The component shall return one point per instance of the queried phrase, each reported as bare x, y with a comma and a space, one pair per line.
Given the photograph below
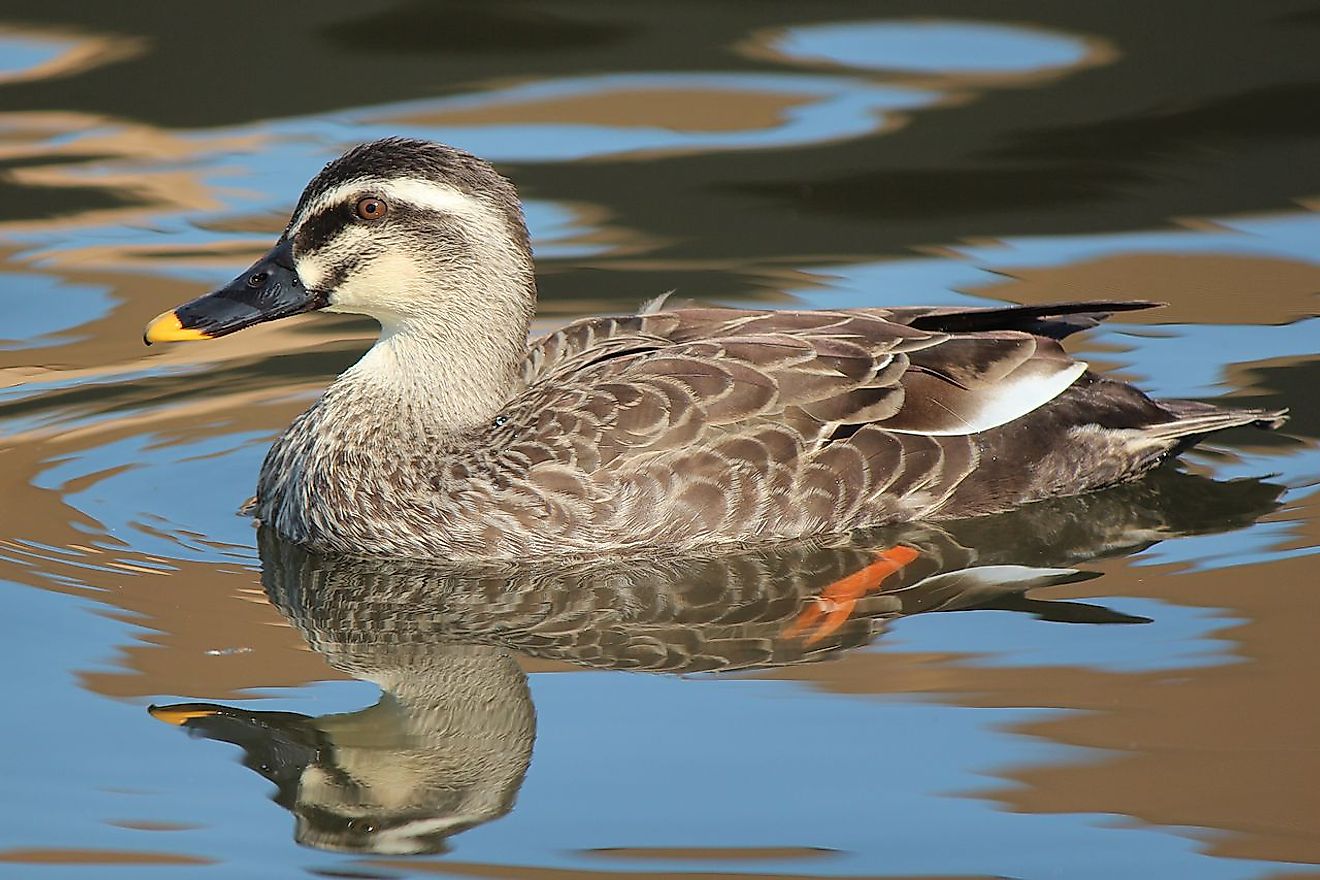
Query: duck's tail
1194, 419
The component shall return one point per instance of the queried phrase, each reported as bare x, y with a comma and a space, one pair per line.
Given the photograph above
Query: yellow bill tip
166, 327
179, 715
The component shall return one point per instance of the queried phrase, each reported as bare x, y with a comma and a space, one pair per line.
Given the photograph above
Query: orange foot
832, 607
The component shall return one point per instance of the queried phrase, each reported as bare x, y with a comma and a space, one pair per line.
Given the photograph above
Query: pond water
1117, 685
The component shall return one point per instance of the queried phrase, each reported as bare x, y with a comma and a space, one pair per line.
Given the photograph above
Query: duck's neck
442, 691
448, 374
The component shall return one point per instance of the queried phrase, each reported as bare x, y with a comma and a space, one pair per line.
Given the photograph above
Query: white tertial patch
1017, 394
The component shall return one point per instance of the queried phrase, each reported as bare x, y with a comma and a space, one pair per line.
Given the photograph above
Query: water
1113, 686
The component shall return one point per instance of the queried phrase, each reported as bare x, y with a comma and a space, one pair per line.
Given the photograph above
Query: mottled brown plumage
699, 427
687, 428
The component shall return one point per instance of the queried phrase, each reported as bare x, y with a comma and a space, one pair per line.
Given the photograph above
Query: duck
455, 438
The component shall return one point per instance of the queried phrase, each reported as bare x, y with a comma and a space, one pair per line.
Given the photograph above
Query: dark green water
1144, 708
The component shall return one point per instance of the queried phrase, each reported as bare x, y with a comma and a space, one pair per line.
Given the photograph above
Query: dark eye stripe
435, 229
318, 229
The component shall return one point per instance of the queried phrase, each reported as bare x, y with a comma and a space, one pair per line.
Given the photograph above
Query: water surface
1116, 685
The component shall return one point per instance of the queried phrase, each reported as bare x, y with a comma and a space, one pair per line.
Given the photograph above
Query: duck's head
409, 232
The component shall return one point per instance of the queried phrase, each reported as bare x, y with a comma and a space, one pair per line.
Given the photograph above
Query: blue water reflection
932, 46
154, 506
1179, 361
1177, 637
22, 53
153, 778
877, 781
39, 310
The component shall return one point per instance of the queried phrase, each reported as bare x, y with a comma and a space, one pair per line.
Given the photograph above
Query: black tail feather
1054, 320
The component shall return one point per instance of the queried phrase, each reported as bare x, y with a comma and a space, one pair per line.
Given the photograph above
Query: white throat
448, 381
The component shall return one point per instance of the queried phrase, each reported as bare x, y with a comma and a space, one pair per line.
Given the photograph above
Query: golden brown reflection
145, 825
448, 744
128, 156
35, 856
704, 853
704, 109
1201, 288
76, 53
507, 872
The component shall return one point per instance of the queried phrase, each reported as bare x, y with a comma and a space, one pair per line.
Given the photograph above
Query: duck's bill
267, 291
180, 714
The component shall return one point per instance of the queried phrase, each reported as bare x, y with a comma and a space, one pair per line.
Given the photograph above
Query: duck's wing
819, 370
809, 420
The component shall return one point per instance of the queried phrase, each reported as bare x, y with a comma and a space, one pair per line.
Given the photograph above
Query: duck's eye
371, 208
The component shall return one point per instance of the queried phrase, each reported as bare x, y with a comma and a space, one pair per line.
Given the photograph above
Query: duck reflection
449, 742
